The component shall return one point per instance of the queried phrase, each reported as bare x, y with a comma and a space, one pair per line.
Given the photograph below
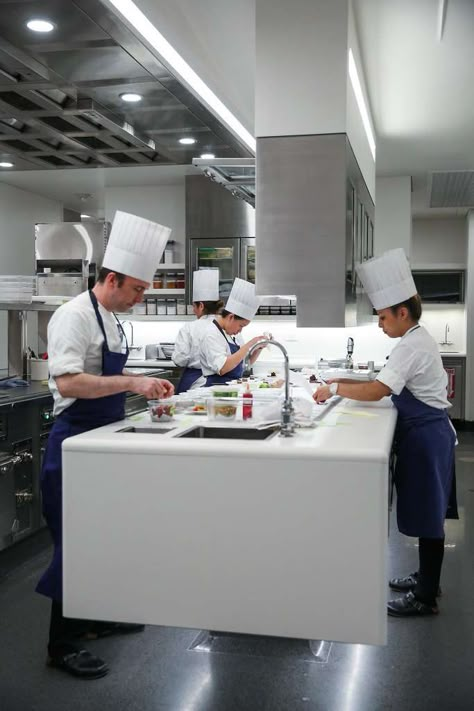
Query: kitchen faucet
287, 410
131, 347
446, 342
350, 350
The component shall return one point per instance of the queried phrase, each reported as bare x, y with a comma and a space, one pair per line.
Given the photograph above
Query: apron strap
224, 334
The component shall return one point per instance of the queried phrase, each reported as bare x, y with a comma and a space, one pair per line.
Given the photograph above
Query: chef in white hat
88, 381
416, 380
222, 350
206, 304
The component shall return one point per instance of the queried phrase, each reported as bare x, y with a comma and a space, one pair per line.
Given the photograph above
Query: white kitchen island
284, 537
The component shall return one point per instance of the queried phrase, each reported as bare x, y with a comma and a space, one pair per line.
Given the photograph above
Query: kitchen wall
160, 203
307, 345
439, 243
19, 211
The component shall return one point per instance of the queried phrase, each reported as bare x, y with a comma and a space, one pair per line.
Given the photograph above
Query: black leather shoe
107, 629
80, 663
406, 584
409, 606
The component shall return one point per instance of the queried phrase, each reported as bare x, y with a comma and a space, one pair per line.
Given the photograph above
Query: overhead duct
454, 188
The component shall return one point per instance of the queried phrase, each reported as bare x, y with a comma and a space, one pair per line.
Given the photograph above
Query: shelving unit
188, 317
171, 267
165, 292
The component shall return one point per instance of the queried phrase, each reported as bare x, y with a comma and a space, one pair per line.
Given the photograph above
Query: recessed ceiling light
6, 164
207, 156
134, 16
37, 25
187, 141
131, 98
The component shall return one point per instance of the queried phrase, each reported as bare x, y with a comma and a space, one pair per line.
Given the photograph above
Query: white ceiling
420, 87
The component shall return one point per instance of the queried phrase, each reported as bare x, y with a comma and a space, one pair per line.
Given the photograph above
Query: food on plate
277, 383
200, 407
273, 374
312, 378
264, 384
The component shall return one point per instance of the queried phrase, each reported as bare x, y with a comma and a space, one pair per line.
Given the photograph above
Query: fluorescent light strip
356, 85
140, 22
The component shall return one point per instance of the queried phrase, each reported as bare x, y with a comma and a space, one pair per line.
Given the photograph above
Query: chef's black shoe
406, 584
80, 663
409, 606
107, 629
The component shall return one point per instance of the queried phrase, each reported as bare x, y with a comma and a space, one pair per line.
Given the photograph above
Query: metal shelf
165, 292
170, 267
189, 317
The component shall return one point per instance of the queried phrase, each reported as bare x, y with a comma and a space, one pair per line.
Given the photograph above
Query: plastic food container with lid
162, 410
224, 391
223, 408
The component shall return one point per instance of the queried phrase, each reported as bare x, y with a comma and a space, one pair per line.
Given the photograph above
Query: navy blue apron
233, 374
425, 465
188, 378
81, 416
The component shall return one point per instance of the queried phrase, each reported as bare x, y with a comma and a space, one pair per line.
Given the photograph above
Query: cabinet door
217, 254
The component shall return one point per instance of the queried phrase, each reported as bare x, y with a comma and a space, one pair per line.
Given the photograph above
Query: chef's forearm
233, 360
370, 391
88, 387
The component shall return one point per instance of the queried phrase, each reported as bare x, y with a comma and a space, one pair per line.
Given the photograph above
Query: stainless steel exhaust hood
237, 175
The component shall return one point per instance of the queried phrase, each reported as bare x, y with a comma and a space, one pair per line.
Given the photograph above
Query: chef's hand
153, 388
322, 394
255, 340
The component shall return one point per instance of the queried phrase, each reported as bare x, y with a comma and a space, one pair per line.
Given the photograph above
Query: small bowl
162, 410
225, 391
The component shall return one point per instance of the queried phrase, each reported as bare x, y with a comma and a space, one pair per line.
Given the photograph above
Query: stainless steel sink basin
203, 432
147, 430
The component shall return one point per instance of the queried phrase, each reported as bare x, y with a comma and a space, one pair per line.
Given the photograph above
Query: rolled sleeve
392, 380
68, 340
213, 352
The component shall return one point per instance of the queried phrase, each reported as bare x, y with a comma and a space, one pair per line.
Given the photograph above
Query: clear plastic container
224, 391
162, 410
223, 409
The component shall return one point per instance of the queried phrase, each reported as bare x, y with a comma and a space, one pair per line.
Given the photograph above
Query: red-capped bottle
248, 404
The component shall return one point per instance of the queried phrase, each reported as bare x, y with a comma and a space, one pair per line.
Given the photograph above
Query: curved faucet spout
287, 410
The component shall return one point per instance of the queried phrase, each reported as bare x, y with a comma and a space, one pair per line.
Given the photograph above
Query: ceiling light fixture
37, 25
187, 141
135, 17
131, 98
207, 156
6, 164
359, 95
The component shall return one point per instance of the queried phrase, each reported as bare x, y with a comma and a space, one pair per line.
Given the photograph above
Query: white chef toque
387, 279
242, 300
206, 285
135, 246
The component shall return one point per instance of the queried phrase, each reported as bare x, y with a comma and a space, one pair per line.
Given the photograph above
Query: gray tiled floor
428, 663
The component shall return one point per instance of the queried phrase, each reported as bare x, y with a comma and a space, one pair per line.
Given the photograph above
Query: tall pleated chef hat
242, 299
135, 246
206, 285
387, 279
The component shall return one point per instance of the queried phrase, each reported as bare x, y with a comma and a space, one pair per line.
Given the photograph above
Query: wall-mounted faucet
446, 342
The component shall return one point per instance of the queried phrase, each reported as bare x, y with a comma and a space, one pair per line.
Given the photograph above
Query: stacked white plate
14, 289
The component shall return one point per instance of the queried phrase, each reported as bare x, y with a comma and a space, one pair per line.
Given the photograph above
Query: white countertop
150, 363
350, 429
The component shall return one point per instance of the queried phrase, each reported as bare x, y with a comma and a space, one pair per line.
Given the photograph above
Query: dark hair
211, 307
225, 313
413, 304
104, 272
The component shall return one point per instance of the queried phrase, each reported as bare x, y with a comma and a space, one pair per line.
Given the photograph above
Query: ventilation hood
454, 188
237, 175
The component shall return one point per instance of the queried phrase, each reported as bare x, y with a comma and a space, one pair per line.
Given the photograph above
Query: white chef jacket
415, 363
214, 349
186, 347
75, 343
